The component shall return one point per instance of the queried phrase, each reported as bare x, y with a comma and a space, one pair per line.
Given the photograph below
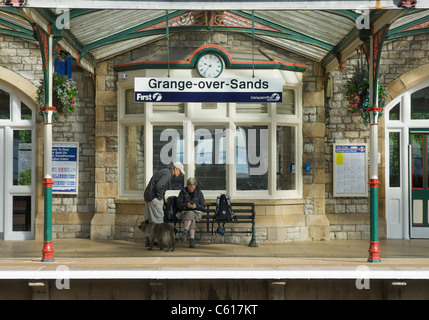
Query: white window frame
402, 126
9, 125
230, 119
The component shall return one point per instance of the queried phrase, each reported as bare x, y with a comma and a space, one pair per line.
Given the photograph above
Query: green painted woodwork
419, 140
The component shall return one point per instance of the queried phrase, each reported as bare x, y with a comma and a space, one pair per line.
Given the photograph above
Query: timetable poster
65, 164
350, 170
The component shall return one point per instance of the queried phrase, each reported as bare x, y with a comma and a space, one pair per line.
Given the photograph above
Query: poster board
350, 170
65, 167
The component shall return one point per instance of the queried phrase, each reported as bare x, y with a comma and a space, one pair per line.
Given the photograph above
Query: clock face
210, 65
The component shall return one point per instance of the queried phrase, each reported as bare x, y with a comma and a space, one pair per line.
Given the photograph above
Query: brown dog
160, 233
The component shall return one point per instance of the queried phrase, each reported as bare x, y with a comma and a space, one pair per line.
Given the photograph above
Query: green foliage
25, 177
64, 92
357, 94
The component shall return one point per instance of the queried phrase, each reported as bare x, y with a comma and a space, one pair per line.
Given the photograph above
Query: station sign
251, 90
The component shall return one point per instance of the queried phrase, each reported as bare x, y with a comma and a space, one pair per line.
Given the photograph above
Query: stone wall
349, 217
106, 152
313, 109
277, 220
22, 57
71, 213
97, 212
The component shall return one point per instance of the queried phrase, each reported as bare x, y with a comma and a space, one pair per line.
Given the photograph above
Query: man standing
155, 192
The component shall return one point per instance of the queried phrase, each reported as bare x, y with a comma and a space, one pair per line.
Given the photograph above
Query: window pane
22, 157
287, 106
21, 213
134, 158
168, 148
285, 162
420, 104
394, 113
210, 157
252, 157
168, 108
4, 105
209, 106
26, 113
132, 107
251, 108
417, 150
394, 159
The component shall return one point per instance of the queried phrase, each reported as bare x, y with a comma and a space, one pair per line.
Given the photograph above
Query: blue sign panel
65, 164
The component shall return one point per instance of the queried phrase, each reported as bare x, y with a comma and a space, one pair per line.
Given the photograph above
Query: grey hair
191, 182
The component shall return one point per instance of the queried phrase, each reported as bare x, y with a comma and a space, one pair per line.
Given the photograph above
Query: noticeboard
350, 170
65, 167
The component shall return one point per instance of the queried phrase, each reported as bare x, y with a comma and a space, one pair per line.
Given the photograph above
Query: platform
115, 259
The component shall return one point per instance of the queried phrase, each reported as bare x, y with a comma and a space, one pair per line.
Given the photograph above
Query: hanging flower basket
65, 97
357, 94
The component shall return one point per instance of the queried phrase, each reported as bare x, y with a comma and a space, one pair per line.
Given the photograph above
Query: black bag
170, 209
223, 210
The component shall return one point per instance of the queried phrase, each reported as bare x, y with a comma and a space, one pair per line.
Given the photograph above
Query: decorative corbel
407, 3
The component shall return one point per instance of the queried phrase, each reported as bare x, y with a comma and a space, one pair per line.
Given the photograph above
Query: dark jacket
185, 197
158, 185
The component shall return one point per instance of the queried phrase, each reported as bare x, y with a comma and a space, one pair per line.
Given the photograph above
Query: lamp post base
48, 252
374, 252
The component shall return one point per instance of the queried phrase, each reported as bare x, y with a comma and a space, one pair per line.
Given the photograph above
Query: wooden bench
243, 213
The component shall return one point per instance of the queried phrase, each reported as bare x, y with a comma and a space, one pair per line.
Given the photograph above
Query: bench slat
241, 214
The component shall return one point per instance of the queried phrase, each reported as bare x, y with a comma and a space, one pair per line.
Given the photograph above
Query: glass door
2, 207
19, 202
419, 181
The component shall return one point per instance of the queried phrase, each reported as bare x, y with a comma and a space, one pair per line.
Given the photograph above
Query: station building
288, 145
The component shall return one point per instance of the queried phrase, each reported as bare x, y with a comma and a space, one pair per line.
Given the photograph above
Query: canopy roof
92, 34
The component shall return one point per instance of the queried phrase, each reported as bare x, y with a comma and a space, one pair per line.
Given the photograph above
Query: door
2, 207
419, 181
18, 184
17, 166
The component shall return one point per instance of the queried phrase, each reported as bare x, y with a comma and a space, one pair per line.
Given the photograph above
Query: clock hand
208, 68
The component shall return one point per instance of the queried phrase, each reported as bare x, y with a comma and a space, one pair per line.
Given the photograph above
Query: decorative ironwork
5, 27
231, 19
209, 19
13, 3
187, 19
421, 25
407, 3
378, 40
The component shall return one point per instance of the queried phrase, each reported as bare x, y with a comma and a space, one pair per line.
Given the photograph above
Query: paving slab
117, 259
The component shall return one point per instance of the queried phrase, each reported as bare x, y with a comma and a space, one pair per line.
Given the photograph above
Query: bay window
246, 150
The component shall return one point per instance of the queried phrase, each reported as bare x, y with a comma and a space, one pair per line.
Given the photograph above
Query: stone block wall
349, 217
72, 213
97, 212
313, 131
404, 63
21, 57
106, 152
277, 220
